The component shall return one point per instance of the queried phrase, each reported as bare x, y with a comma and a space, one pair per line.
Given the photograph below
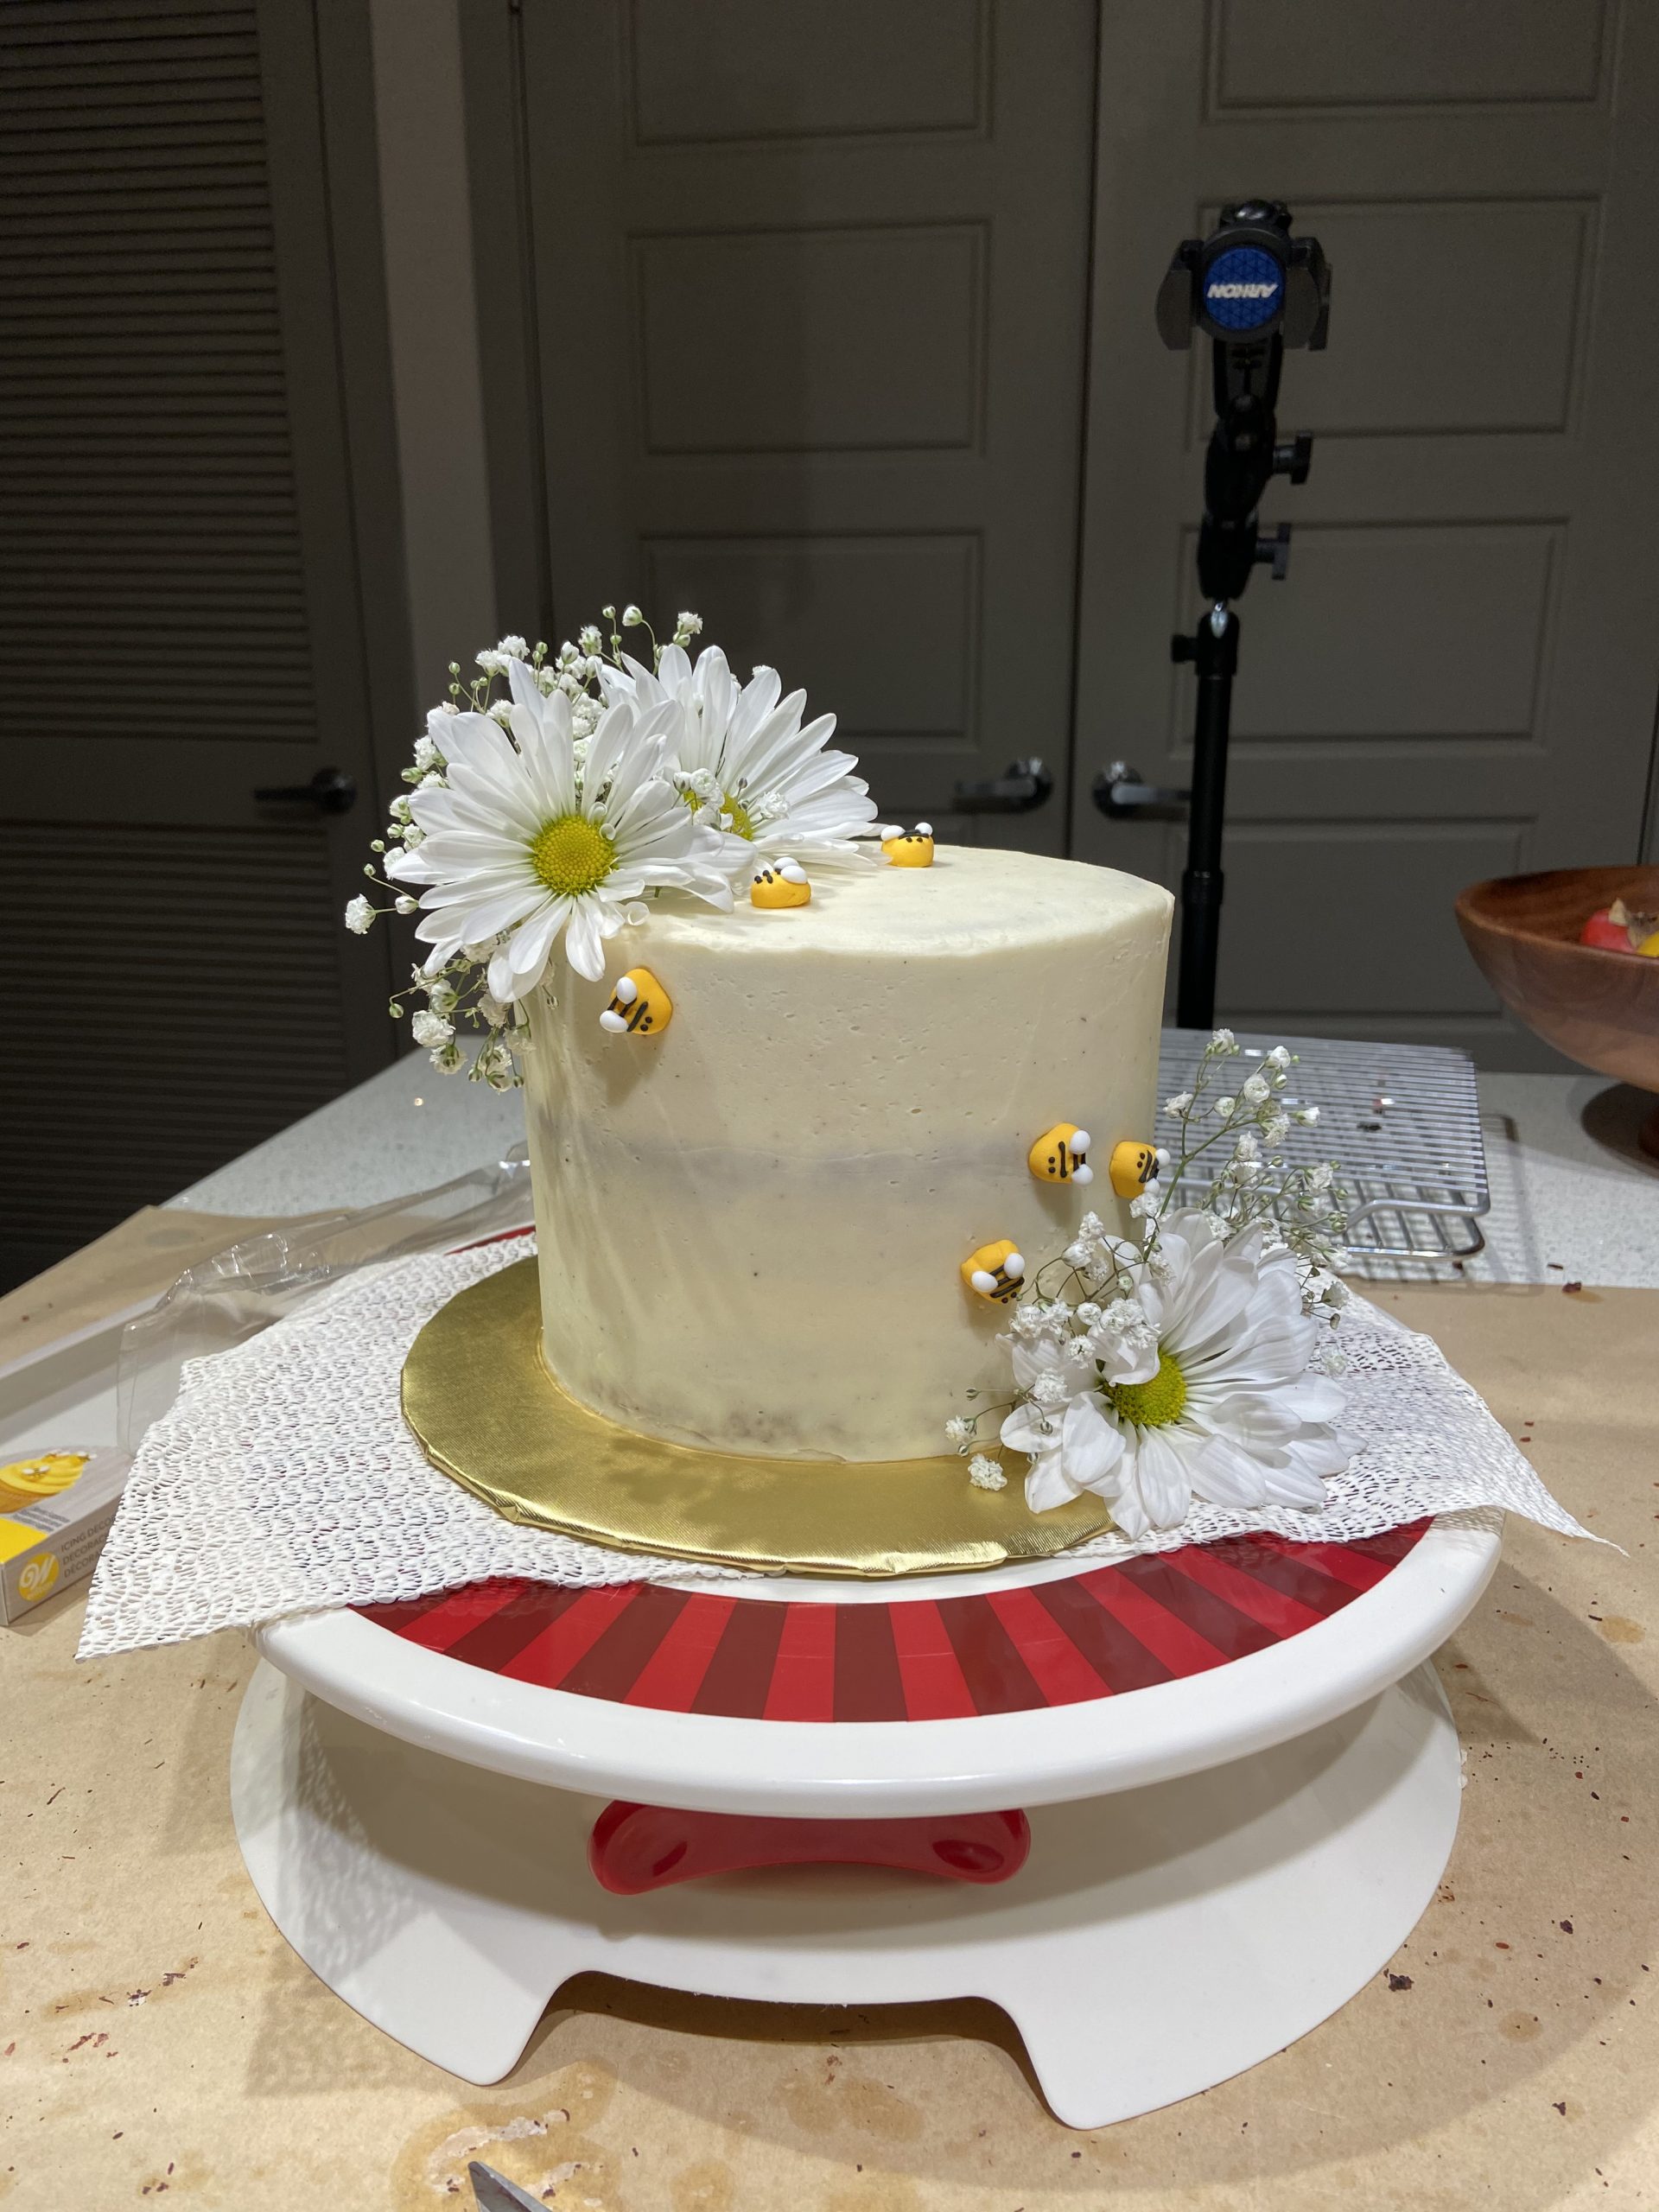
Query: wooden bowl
1600, 1008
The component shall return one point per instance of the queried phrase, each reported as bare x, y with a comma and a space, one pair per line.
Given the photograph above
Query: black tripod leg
1215, 657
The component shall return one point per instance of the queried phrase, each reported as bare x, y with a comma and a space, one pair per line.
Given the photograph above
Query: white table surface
1573, 1198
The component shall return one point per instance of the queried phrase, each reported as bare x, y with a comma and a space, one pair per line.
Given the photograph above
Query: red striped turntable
1099, 1633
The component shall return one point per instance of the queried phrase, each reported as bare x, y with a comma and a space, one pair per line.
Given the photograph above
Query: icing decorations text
639, 1006
996, 1271
1060, 1155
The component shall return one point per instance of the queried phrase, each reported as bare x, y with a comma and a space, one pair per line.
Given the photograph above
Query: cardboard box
55, 1511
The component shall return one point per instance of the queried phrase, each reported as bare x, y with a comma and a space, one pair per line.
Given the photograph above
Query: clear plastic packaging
239, 1292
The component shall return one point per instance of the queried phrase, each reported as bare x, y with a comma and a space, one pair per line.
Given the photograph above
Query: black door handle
331, 791
1122, 795
1025, 786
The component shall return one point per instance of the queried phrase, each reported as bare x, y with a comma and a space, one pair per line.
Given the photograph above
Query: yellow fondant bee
639, 1006
1134, 1165
1060, 1155
913, 849
780, 883
996, 1271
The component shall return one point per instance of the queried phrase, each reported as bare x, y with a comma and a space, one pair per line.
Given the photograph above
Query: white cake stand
1219, 1857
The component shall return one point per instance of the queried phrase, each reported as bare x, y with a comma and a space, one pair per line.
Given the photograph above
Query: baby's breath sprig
1305, 1208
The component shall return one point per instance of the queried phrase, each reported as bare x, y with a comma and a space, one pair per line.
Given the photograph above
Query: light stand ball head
1252, 290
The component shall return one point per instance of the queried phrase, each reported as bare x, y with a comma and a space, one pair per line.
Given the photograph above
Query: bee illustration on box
639, 1006
24, 1483
1061, 1155
996, 1271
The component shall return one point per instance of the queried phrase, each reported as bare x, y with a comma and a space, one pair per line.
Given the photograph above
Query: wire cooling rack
1402, 1122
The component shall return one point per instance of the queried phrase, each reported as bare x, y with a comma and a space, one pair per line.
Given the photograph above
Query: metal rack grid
1402, 1122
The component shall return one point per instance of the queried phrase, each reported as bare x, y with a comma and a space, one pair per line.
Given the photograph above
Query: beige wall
436, 324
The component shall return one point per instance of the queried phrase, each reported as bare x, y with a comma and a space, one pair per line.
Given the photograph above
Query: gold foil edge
485, 1409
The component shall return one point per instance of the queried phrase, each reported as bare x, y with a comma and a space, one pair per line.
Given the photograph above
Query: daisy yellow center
1154, 1403
739, 820
571, 855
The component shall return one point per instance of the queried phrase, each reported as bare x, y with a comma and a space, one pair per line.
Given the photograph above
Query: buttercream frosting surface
752, 1225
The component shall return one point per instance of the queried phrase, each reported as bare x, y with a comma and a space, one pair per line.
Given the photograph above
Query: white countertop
1573, 1197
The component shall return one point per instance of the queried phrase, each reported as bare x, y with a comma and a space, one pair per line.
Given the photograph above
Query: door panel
1459, 676
828, 387
920, 392
857, 70
1289, 56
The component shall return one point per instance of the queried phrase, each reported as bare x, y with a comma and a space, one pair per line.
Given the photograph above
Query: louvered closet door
178, 614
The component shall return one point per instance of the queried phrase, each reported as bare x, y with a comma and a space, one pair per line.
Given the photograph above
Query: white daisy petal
522, 684
1025, 1430
1093, 1446
1161, 1477
676, 667
490, 917
1224, 1474
476, 741
584, 942
527, 952
755, 701
1047, 1485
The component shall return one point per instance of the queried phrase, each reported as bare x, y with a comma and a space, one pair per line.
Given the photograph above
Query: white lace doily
284, 1479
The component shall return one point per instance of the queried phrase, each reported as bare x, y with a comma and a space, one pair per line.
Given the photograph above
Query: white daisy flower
1220, 1405
526, 845
781, 790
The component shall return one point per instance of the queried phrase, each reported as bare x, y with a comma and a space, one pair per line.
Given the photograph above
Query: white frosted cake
753, 1221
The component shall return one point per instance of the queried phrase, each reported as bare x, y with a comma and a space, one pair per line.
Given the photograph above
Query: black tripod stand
1253, 289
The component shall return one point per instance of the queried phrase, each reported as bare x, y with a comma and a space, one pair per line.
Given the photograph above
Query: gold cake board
484, 1407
